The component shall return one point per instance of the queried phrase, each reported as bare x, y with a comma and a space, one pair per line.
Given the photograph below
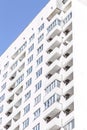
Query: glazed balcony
53, 86
52, 106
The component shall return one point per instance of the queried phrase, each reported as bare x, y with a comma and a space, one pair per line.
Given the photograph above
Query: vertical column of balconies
53, 92
58, 100
67, 70
12, 112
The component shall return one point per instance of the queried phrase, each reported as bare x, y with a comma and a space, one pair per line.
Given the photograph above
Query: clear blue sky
15, 15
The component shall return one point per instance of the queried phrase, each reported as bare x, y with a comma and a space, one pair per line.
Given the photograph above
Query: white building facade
36, 73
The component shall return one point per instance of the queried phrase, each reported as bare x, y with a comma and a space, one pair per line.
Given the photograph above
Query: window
38, 85
37, 99
40, 60
19, 80
27, 95
5, 75
31, 37
70, 125
26, 109
51, 100
25, 123
1, 109
29, 70
30, 48
30, 59
40, 49
29, 82
2, 97
37, 113
3, 86
39, 72
41, 27
40, 38
37, 127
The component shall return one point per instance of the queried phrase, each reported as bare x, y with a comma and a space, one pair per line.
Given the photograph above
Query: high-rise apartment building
36, 73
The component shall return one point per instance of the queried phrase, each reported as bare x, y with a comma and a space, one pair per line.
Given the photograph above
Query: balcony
53, 44
69, 86
56, 11
68, 52
21, 49
8, 125
11, 88
22, 56
14, 65
21, 67
54, 67
64, 1
68, 93
17, 117
66, 47
68, 39
53, 57
68, 102
18, 103
69, 125
66, 5
13, 76
53, 85
65, 37
9, 112
69, 113
52, 79
67, 20
52, 71
17, 128
55, 90
68, 58
54, 124
68, 72
67, 30
68, 79
56, 31
68, 65
19, 91
10, 100
52, 110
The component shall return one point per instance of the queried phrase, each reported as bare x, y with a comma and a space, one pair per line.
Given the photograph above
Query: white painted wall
80, 64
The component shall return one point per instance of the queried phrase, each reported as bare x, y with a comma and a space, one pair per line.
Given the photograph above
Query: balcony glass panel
54, 84
67, 18
51, 100
70, 125
53, 24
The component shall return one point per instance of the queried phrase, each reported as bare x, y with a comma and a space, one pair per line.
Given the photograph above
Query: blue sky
15, 15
